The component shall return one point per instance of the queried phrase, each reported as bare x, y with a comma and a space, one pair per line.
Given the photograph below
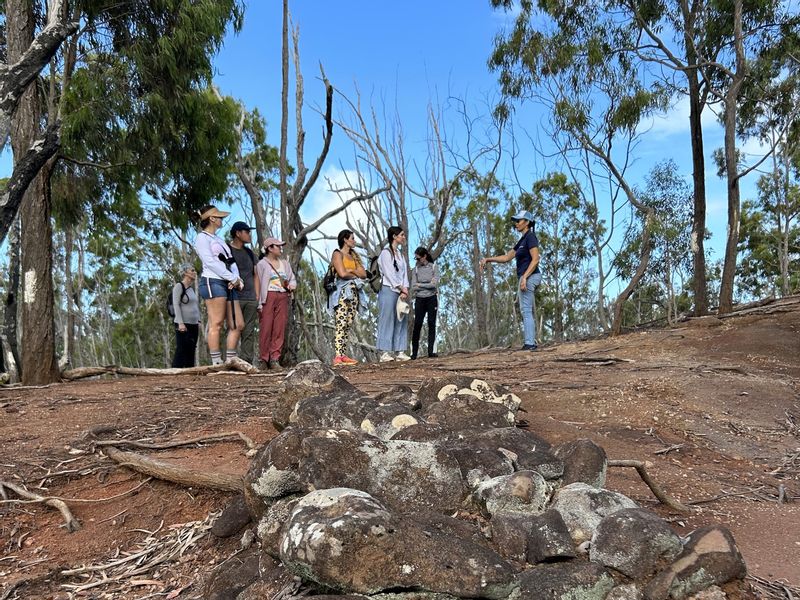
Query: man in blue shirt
526, 253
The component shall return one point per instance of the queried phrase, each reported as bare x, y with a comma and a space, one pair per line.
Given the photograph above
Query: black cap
240, 226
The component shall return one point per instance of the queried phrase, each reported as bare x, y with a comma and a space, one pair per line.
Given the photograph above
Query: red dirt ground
713, 405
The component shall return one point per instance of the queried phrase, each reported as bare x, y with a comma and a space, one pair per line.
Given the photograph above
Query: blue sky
410, 54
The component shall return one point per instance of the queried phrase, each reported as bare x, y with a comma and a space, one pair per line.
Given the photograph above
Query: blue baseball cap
523, 214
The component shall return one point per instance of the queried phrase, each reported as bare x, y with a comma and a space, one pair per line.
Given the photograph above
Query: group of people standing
240, 291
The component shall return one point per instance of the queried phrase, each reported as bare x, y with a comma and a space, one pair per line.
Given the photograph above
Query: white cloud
676, 120
322, 200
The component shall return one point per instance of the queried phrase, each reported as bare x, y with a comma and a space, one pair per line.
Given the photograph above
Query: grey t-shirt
246, 269
425, 280
187, 308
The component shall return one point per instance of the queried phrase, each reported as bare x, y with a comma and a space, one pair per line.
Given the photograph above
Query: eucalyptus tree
595, 98
667, 280
127, 97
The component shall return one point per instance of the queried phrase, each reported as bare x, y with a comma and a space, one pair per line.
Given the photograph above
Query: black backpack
170, 306
374, 276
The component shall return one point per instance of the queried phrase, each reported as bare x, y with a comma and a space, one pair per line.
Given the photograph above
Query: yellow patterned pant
345, 313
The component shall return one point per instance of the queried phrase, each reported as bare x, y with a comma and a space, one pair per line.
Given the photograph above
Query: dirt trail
713, 404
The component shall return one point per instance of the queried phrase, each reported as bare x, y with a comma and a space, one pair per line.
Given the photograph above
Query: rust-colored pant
274, 315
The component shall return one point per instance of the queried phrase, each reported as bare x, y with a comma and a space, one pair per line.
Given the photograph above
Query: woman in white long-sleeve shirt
219, 283
393, 331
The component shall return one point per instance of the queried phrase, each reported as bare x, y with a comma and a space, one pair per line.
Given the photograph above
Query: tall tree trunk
36, 309
731, 166
10, 343
69, 292
699, 283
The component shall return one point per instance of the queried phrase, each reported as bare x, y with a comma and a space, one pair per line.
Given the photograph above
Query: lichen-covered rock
405, 475
583, 507
523, 492
348, 541
628, 591
233, 575
234, 517
400, 394
309, 378
478, 465
584, 462
571, 580
340, 410
531, 538
273, 472
635, 542
709, 557
465, 411
386, 420
438, 389
272, 522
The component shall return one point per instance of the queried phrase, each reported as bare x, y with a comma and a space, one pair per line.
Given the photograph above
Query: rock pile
436, 494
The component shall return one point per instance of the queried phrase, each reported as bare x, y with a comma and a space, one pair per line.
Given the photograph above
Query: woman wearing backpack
276, 284
348, 297
186, 319
219, 283
392, 298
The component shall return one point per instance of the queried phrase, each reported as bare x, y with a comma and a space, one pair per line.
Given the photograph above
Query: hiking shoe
402, 356
343, 360
529, 347
274, 365
386, 357
433, 355
263, 365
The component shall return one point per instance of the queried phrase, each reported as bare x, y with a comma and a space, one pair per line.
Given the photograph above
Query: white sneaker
386, 357
402, 356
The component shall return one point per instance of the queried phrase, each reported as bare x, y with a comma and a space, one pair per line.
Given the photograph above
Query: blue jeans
527, 306
392, 334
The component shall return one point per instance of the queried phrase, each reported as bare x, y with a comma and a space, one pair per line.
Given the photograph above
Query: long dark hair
392, 233
345, 234
422, 251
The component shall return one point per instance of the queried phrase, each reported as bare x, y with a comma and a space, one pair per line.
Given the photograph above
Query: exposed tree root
72, 523
217, 437
654, 487
232, 364
170, 472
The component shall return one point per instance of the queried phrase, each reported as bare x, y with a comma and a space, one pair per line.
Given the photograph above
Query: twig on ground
72, 523
654, 487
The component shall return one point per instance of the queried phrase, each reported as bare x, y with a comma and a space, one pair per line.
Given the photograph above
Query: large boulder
271, 524
566, 581
386, 420
526, 450
465, 411
583, 507
405, 475
584, 462
709, 557
309, 378
340, 410
523, 492
439, 389
531, 538
347, 540
478, 465
635, 542
399, 394
273, 473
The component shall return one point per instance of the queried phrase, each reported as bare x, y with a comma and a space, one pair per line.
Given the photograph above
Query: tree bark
10, 339
696, 104
39, 365
731, 165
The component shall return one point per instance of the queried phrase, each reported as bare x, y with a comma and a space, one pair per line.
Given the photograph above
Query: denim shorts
216, 288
